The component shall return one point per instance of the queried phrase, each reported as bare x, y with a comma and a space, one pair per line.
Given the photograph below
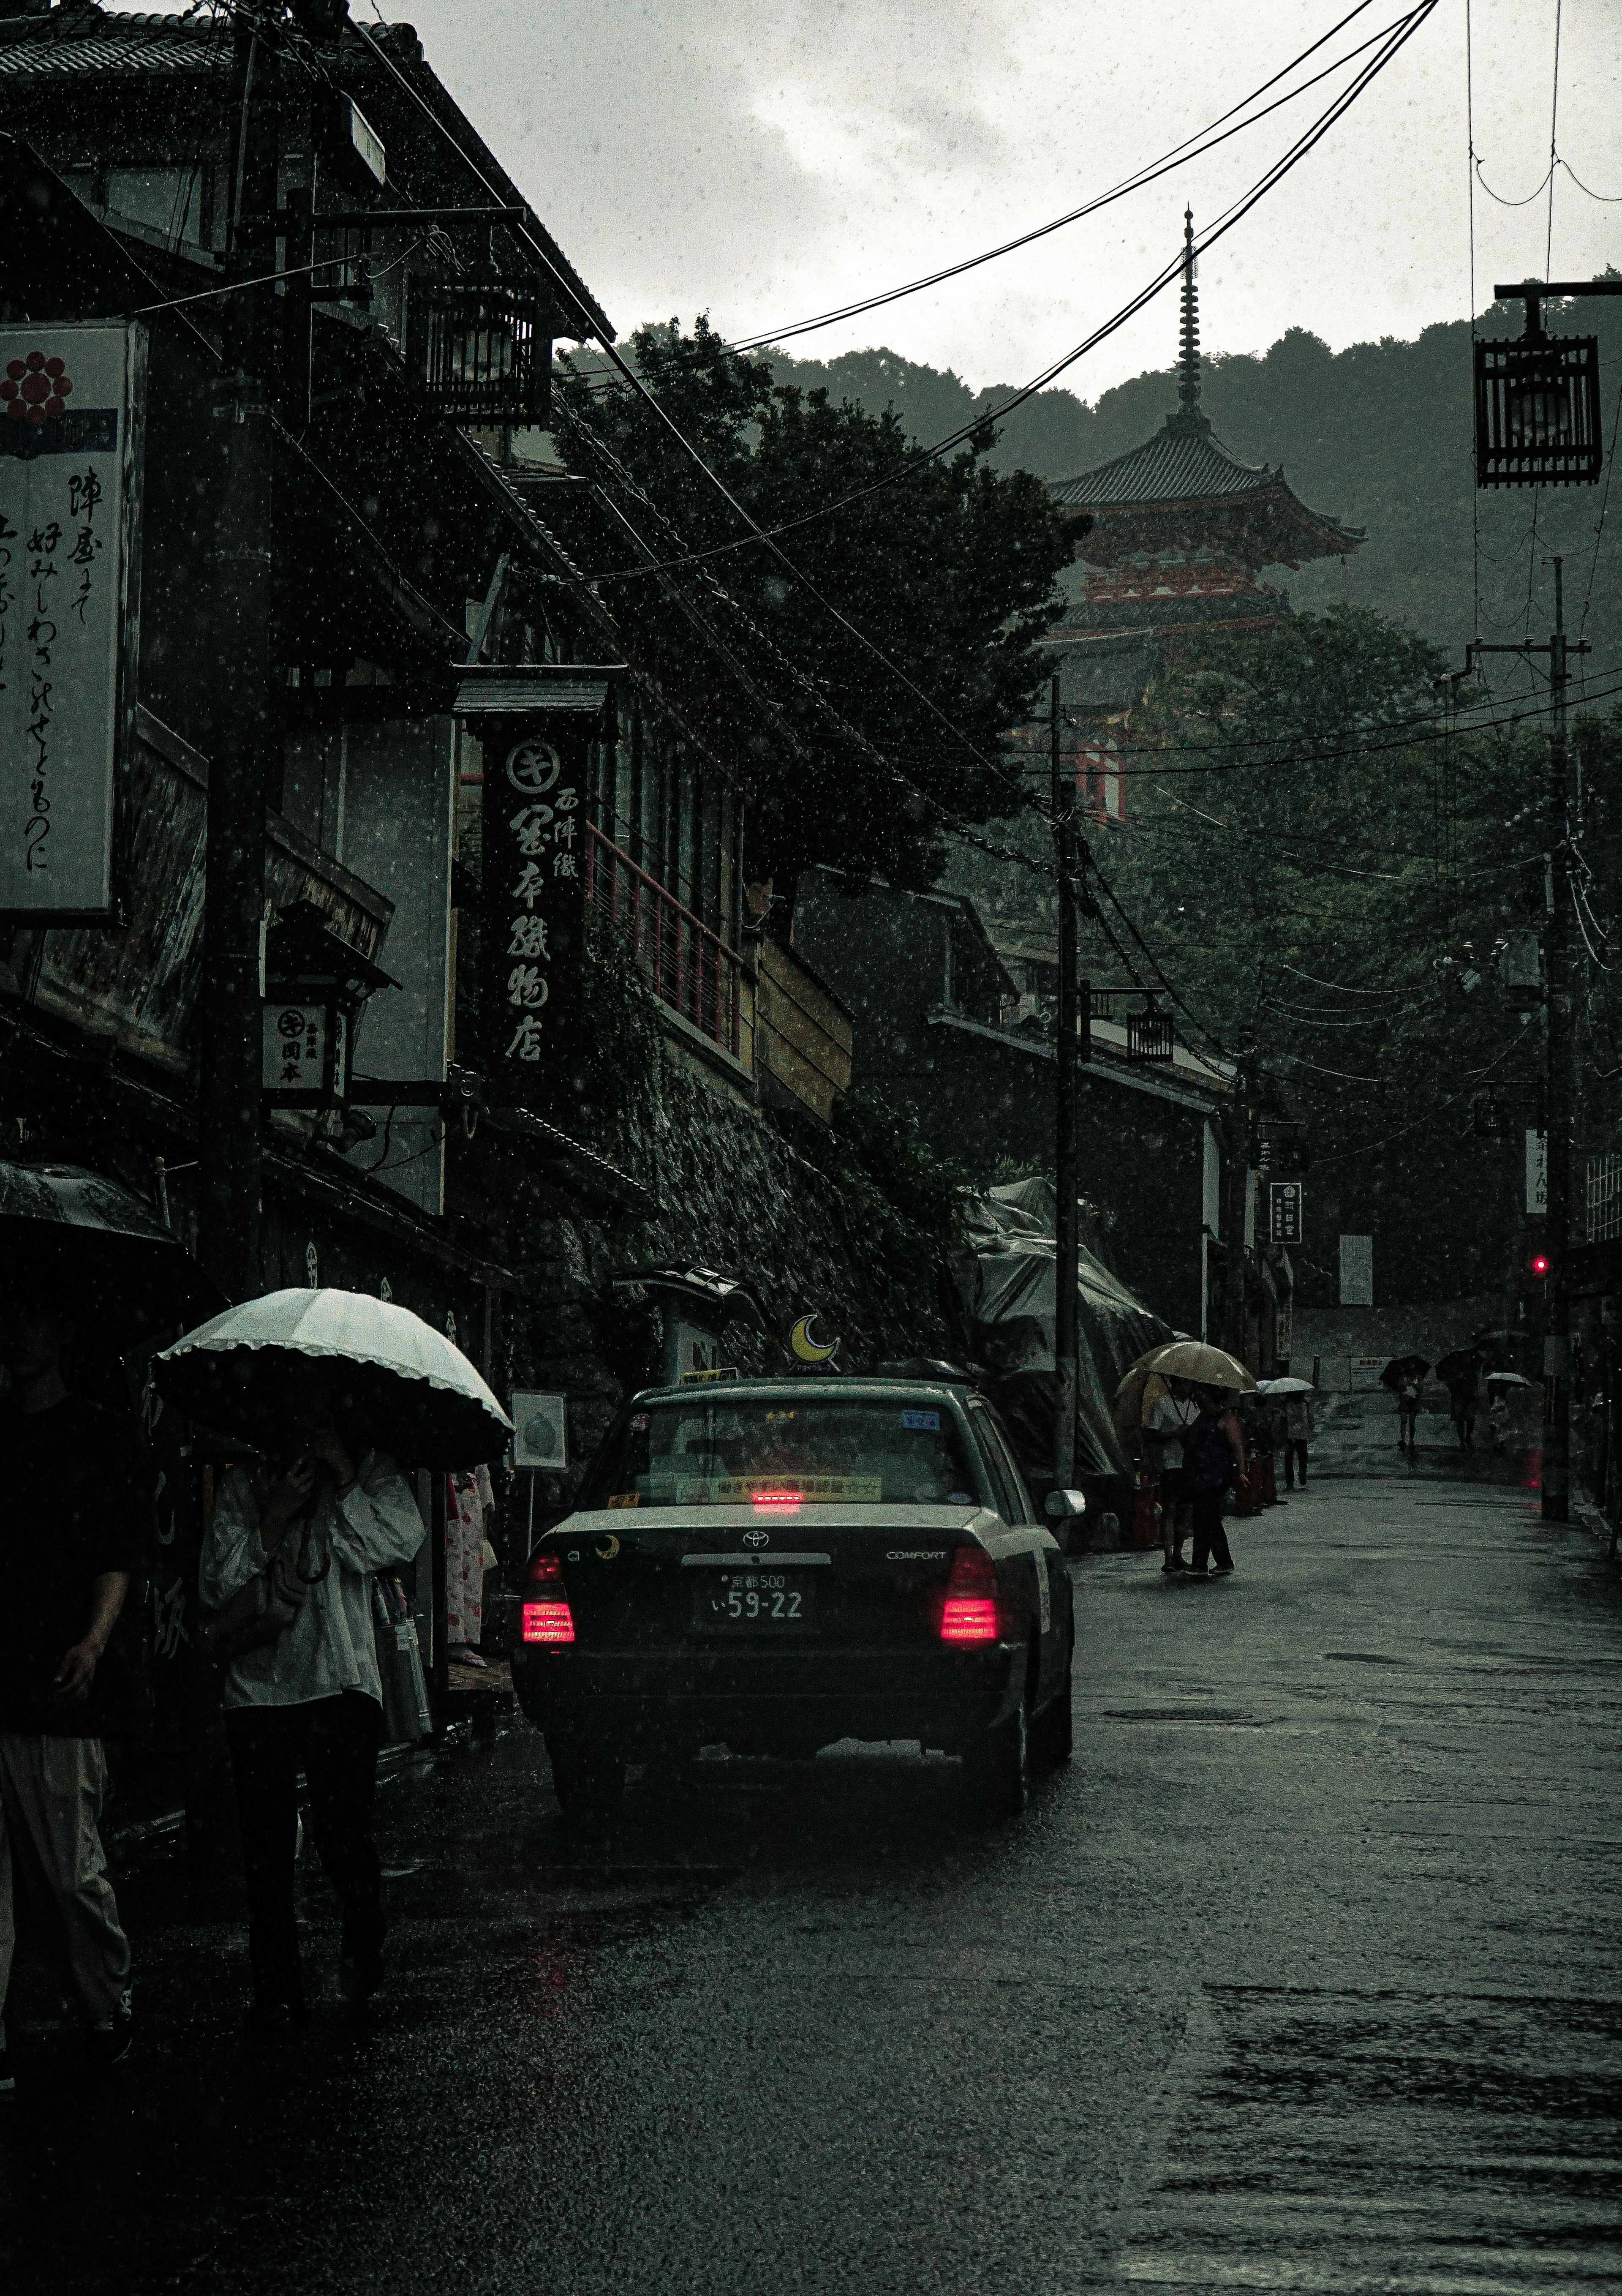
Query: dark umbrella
89, 1245
1463, 1363
1402, 1367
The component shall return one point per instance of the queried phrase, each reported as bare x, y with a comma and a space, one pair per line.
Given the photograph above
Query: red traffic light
1539, 1263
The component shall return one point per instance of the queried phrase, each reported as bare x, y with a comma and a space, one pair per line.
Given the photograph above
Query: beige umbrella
1207, 1366
1137, 1391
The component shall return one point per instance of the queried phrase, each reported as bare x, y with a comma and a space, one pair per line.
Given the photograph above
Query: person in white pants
74, 1531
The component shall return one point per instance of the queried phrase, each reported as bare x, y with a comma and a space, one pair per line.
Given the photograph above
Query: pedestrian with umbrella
1296, 1395
331, 1389
1406, 1374
1460, 1374
78, 1252
1213, 1461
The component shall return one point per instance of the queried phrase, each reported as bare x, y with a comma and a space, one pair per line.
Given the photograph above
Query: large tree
1329, 884
946, 567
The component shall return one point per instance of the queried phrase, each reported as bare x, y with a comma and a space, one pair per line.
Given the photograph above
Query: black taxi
776, 1564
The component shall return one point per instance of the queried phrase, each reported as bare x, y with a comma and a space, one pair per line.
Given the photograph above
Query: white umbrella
1506, 1379
1284, 1387
404, 1387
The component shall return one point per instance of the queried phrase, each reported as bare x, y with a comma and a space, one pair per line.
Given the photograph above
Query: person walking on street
1299, 1433
1169, 1414
324, 1520
1213, 1460
1408, 1391
75, 1535
1461, 1393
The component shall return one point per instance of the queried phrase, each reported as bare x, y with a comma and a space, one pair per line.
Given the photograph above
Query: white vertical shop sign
1356, 1271
71, 403
1538, 1171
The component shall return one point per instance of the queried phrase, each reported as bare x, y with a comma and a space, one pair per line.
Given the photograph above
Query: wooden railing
688, 967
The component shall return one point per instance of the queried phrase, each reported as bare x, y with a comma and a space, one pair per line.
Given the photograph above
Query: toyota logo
757, 1537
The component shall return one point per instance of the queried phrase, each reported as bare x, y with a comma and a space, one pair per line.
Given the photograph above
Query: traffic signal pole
1066, 1177
1559, 1081
246, 727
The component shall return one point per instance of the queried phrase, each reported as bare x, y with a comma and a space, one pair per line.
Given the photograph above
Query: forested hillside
1379, 435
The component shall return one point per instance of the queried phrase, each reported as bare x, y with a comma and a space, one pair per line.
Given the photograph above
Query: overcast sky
764, 159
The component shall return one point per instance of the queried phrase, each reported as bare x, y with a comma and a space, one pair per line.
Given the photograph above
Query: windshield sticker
922, 1419
740, 1490
625, 1498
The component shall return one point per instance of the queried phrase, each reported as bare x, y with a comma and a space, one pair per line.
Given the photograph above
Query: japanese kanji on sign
533, 909
70, 401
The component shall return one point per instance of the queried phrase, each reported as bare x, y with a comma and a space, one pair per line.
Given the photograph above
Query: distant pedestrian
1299, 1433
1213, 1460
1409, 1388
322, 1521
1169, 1416
1462, 1391
74, 1539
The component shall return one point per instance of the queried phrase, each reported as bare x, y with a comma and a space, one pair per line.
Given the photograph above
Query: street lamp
316, 988
1538, 420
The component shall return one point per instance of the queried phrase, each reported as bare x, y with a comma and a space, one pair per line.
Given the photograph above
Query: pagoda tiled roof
1184, 461
1184, 465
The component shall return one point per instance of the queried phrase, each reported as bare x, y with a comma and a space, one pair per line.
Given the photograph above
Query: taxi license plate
754, 1602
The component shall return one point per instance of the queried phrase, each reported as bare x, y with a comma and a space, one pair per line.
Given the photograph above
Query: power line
1405, 28
1192, 148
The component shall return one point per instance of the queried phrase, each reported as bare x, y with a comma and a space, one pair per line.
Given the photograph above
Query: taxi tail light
970, 1612
548, 1617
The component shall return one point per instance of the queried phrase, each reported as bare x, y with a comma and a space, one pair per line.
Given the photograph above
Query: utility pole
1558, 1077
1066, 1238
246, 729
1558, 1098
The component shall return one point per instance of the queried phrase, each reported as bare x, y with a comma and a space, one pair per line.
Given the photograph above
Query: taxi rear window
718, 1453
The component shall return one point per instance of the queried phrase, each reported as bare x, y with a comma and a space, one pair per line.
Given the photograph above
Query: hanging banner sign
536, 723
1285, 1206
71, 404
533, 911
1538, 1171
1356, 1271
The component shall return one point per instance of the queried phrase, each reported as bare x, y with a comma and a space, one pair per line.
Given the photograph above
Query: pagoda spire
1188, 340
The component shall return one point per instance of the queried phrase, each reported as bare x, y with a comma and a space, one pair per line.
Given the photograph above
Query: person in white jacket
311, 1700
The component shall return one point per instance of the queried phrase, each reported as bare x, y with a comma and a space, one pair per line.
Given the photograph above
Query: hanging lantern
1539, 421
315, 986
1149, 1035
483, 354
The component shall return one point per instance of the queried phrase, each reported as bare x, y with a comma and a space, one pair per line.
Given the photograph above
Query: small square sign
540, 1428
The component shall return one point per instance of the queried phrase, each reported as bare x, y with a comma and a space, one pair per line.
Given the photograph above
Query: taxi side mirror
1060, 1506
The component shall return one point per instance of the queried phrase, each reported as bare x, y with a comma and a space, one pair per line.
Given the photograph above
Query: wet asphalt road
1305, 1975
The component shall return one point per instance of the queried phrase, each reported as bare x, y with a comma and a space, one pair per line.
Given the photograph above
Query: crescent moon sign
808, 1349
610, 1547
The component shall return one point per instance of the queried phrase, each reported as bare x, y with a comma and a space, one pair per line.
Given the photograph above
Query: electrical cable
965, 432
1181, 155
1472, 165
1503, 201
1606, 198
1352, 750
1553, 154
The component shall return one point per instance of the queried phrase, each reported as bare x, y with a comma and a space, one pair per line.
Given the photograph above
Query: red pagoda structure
1174, 535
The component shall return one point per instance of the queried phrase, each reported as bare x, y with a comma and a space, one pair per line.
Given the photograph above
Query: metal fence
1604, 1204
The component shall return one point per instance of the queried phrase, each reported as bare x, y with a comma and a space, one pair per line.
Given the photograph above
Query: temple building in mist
1173, 537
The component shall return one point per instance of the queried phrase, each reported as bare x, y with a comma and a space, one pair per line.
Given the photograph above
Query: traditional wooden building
448, 693
1174, 537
